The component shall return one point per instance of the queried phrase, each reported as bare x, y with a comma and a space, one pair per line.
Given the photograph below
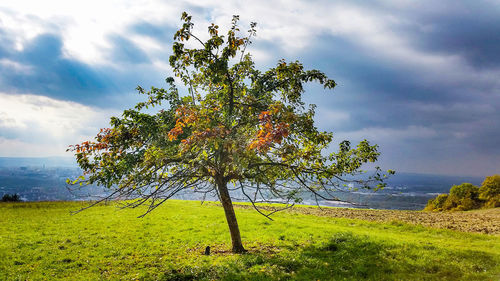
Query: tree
11, 198
237, 129
490, 191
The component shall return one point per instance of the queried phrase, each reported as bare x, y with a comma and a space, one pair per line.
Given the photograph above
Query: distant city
44, 184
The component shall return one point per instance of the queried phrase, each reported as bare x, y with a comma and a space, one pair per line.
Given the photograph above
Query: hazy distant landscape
44, 179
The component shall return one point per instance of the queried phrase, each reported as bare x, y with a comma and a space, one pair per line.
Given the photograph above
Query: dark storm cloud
460, 104
469, 29
486, 137
374, 92
478, 40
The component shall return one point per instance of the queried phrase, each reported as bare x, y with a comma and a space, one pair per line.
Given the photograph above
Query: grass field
42, 241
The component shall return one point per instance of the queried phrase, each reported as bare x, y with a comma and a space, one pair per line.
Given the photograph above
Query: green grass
42, 241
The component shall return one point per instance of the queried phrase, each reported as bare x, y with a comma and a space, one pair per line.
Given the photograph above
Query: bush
465, 190
437, 203
467, 196
490, 191
11, 198
462, 197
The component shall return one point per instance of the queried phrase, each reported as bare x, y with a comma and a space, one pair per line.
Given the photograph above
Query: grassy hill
42, 241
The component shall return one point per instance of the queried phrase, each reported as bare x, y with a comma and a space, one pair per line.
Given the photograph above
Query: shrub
467, 196
490, 191
11, 198
462, 197
465, 190
437, 203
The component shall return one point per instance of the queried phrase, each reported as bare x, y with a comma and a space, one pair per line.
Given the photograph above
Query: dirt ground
480, 221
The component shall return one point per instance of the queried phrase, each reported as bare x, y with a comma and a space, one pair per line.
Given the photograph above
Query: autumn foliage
270, 132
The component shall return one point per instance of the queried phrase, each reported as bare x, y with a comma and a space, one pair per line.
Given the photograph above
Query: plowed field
480, 221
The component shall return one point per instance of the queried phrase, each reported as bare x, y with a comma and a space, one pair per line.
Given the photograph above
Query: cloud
411, 133
15, 67
24, 148
46, 126
469, 30
418, 77
41, 68
160, 32
84, 27
126, 51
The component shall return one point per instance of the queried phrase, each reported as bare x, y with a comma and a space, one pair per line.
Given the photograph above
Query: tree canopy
229, 127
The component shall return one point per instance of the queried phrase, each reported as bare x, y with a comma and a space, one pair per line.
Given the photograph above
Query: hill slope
40, 241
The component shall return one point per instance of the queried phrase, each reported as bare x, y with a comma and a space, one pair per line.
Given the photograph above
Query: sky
418, 78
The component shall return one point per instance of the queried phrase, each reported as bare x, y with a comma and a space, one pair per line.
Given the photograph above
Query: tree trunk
227, 204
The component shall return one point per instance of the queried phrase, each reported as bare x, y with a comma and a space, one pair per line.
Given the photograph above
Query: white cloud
84, 25
42, 126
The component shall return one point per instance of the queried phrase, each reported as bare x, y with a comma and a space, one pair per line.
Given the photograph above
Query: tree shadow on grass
346, 257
